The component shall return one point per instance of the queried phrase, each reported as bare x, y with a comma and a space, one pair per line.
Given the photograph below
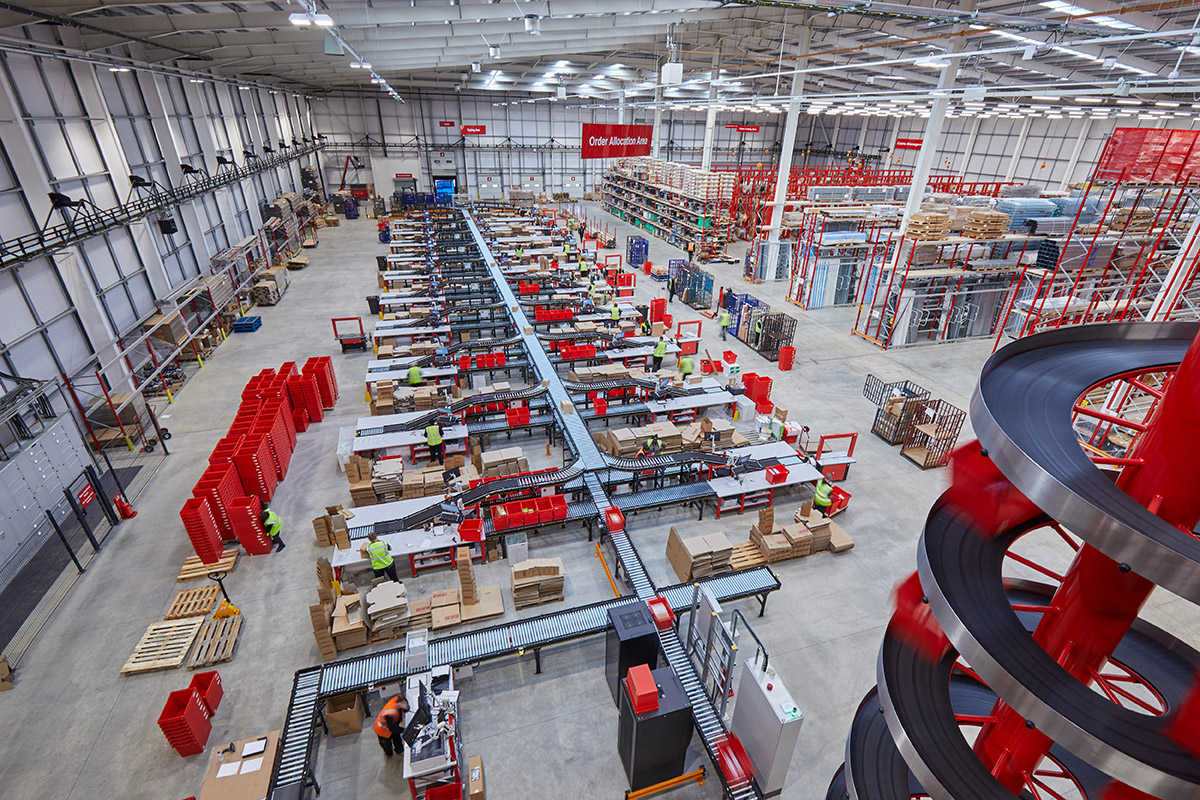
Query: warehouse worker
520, 251
583, 269
672, 287
433, 440
614, 314
272, 524
823, 497
381, 557
724, 319
686, 367
660, 351
757, 329
414, 375
387, 724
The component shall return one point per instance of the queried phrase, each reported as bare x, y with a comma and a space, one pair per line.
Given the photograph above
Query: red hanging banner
445, 123
909, 144
616, 141
733, 126
474, 130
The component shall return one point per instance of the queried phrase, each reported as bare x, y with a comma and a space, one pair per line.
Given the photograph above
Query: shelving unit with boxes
675, 202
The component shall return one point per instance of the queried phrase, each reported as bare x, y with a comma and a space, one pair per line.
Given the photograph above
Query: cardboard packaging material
344, 714
475, 788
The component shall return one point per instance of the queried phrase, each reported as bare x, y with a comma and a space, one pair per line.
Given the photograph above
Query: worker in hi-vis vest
660, 351
414, 375
272, 524
388, 727
614, 314
381, 557
433, 439
685, 366
723, 319
823, 497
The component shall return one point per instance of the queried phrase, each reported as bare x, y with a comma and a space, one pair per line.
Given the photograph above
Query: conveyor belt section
670, 460
576, 512
535, 481
467, 403
708, 722
563, 336
502, 425
615, 411
292, 762
485, 344
661, 498
735, 585
577, 387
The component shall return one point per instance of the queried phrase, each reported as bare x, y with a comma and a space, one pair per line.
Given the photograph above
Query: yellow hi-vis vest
660, 348
379, 555
433, 435
414, 375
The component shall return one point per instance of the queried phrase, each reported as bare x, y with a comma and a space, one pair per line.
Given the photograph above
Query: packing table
753, 489
386, 443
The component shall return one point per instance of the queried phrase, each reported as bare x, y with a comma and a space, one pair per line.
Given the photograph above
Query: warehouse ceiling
527, 49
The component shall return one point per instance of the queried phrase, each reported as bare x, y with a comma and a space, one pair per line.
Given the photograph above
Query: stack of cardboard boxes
698, 556
536, 581
499, 463
387, 609
466, 575
319, 615
272, 286
349, 625
358, 473
384, 398
387, 480
446, 611
331, 529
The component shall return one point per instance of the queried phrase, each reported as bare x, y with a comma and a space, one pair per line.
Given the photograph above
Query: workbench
425, 549
752, 488
390, 331
386, 444
675, 407
395, 370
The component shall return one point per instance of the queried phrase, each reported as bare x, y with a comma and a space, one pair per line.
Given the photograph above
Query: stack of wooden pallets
986, 224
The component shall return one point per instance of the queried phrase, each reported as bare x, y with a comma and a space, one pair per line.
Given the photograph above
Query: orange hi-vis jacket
390, 714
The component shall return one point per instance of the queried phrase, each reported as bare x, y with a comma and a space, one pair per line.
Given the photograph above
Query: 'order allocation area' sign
616, 141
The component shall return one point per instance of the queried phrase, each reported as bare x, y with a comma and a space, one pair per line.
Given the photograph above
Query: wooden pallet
216, 642
164, 645
194, 568
193, 602
746, 556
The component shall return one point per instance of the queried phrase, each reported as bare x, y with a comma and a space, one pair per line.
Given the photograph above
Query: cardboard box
344, 714
444, 597
475, 790
446, 616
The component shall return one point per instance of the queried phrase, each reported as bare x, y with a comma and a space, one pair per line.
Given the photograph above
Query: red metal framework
1136, 255
834, 253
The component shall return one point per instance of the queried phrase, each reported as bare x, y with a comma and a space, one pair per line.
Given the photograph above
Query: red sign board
909, 144
403, 174
445, 123
474, 130
741, 128
86, 495
616, 141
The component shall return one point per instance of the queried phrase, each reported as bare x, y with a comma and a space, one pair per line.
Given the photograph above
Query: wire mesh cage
932, 432
778, 330
897, 402
695, 286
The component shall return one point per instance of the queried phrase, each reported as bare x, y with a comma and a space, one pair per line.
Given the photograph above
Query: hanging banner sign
909, 144
616, 141
474, 130
741, 128
445, 123
403, 174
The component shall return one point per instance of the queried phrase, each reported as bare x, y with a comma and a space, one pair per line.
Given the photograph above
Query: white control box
767, 721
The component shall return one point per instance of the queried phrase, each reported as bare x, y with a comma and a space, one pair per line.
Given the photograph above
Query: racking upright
686, 206
839, 255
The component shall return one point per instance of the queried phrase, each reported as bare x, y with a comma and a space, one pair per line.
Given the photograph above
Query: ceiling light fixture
932, 62
533, 24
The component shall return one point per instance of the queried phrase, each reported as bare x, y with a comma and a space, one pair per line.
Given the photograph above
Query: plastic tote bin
208, 686
185, 722
787, 357
777, 474
500, 518
516, 546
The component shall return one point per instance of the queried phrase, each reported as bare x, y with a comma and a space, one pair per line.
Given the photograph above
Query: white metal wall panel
69, 343
41, 283
15, 318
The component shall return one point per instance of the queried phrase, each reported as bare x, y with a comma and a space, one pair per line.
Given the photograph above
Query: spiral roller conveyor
989, 687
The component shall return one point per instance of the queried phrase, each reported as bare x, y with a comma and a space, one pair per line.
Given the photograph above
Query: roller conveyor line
671, 460
292, 760
1022, 412
661, 498
502, 425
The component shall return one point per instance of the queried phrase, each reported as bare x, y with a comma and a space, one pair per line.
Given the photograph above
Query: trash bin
373, 303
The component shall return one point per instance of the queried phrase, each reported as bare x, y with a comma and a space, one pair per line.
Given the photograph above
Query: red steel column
1099, 599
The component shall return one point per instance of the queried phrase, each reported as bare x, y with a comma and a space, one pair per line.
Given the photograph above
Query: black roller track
1021, 412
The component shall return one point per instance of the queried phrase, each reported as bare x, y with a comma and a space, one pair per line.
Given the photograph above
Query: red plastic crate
201, 528
464, 362
277, 444
658, 307
471, 530
246, 515
545, 506
208, 686
560, 506
185, 722
221, 484
777, 474
300, 420
256, 467
501, 359
287, 369
614, 519
305, 386
321, 368
285, 416
643, 692
729, 356
764, 407
500, 518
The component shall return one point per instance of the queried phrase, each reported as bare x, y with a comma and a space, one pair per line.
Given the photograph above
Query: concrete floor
540, 736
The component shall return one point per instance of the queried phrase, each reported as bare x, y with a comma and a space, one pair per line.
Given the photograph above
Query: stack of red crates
321, 368
220, 484
185, 721
201, 528
246, 515
254, 456
517, 416
658, 307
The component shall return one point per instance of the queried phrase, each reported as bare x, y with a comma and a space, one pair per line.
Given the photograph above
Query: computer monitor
422, 715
